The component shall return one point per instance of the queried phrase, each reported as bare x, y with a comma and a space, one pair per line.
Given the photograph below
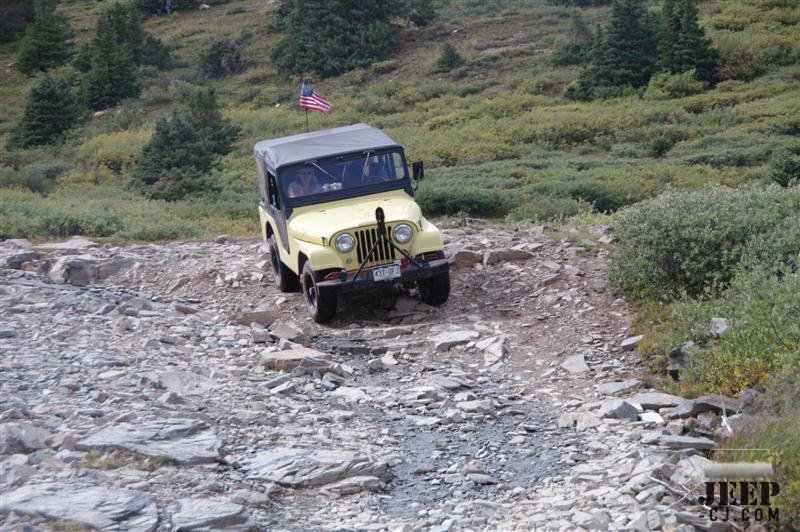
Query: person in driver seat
305, 183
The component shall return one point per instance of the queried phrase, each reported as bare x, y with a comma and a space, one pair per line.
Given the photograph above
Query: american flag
310, 99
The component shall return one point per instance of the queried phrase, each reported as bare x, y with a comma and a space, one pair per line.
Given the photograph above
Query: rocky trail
172, 387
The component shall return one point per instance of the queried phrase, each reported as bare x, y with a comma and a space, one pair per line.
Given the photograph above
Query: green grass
497, 125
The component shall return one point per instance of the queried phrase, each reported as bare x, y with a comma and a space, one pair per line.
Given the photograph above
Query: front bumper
365, 281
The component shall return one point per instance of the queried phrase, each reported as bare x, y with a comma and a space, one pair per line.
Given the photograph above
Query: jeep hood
315, 222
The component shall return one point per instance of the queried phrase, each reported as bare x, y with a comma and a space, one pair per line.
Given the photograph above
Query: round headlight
345, 243
403, 233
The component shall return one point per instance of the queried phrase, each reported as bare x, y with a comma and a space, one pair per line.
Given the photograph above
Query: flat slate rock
302, 357
685, 442
444, 341
349, 486
22, 438
101, 508
300, 468
617, 387
619, 409
716, 403
656, 400
575, 364
182, 382
208, 514
187, 441
629, 344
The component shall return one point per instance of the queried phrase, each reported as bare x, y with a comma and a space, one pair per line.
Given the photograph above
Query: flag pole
306, 120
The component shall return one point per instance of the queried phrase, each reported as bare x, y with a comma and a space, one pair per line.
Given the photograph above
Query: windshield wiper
364, 173
321, 169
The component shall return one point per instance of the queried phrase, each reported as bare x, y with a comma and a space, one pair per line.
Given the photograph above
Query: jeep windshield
344, 176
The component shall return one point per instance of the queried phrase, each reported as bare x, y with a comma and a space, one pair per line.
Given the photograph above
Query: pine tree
669, 34
122, 20
449, 59
51, 110
14, 16
206, 119
114, 75
352, 34
693, 49
578, 50
624, 54
175, 161
630, 45
48, 40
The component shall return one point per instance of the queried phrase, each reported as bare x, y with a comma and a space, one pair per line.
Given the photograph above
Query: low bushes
691, 242
548, 208
763, 338
470, 200
116, 213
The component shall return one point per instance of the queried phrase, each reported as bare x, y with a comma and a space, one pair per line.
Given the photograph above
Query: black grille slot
365, 238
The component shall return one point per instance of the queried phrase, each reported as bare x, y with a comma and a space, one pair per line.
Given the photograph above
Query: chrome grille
365, 238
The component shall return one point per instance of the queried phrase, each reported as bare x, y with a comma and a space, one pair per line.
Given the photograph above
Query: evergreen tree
48, 39
351, 34
14, 16
52, 109
578, 50
175, 161
124, 22
624, 54
206, 119
693, 49
449, 59
630, 45
150, 8
223, 58
114, 75
419, 12
669, 35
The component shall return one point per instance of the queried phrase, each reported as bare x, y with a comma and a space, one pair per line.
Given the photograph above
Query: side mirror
418, 170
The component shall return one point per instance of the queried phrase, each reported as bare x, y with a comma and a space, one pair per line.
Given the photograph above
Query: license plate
386, 273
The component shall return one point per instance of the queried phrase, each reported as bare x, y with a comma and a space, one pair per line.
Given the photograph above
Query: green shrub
51, 110
470, 200
601, 195
36, 177
48, 39
548, 208
60, 224
692, 241
785, 169
763, 338
665, 86
449, 59
660, 145
572, 53
348, 36
223, 58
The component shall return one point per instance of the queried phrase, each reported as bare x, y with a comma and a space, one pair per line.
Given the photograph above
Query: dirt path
148, 400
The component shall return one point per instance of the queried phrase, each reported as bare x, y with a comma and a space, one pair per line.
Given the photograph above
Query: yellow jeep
337, 210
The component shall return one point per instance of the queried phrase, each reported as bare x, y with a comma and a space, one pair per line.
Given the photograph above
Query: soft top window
343, 176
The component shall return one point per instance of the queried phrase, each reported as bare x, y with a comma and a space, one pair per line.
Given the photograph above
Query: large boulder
93, 507
84, 270
298, 468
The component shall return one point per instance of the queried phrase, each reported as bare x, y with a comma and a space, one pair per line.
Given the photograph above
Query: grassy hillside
495, 125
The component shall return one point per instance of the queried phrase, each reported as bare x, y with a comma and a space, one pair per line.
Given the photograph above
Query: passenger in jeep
305, 183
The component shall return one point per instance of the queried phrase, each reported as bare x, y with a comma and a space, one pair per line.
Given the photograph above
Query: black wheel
435, 290
321, 307
285, 279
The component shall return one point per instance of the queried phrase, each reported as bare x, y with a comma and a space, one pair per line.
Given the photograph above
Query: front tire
435, 290
285, 279
321, 307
